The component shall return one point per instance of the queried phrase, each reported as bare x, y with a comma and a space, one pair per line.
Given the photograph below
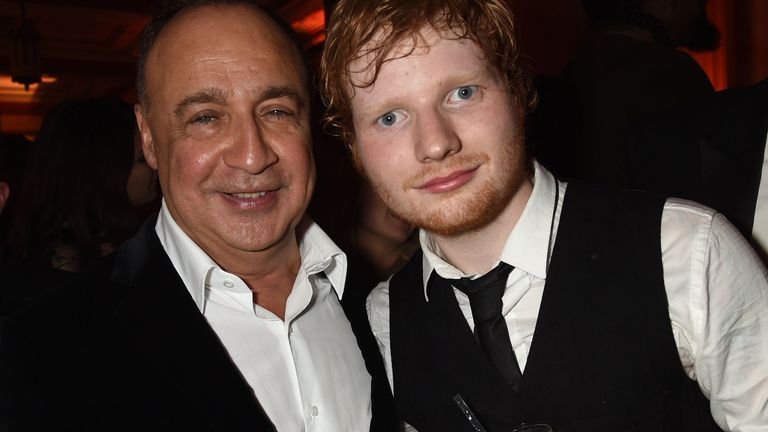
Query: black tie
490, 327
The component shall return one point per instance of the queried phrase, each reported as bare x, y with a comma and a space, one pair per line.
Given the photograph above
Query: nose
436, 137
250, 149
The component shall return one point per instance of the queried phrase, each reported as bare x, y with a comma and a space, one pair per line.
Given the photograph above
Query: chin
455, 218
470, 211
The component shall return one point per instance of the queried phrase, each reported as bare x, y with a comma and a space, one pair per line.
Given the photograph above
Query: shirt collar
318, 254
527, 245
190, 261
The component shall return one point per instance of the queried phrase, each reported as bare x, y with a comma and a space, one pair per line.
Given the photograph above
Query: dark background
88, 47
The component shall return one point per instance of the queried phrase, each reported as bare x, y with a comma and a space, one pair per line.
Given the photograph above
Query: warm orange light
14, 92
311, 23
6, 82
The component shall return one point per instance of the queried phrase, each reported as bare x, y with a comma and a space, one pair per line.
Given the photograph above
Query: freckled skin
440, 137
215, 131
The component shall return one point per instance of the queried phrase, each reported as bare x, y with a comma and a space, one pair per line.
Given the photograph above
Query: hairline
148, 41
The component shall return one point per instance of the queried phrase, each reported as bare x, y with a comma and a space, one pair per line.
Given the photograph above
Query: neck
477, 251
269, 274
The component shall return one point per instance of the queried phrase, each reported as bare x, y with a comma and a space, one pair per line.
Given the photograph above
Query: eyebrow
378, 108
211, 95
468, 78
277, 92
217, 96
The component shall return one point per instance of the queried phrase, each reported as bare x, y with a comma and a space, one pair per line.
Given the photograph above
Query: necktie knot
485, 292
493, 279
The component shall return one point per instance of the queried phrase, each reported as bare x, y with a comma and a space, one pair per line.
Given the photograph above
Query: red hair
362, 27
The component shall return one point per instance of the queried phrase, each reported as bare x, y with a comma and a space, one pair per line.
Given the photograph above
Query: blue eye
388, 119
462, 93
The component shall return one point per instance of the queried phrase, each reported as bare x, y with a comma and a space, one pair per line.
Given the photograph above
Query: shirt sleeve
717, 289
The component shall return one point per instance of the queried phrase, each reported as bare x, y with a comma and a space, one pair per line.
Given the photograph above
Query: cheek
296, 162
297, 154
304, 168
192, 160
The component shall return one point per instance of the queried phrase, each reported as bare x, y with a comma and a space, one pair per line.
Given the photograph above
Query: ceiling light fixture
25, 52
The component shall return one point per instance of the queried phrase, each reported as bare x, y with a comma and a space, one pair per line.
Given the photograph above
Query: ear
147, 143
5, 192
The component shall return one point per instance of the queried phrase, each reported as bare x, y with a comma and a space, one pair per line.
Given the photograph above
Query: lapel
156, 309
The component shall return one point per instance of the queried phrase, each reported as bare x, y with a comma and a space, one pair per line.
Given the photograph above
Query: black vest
603, 357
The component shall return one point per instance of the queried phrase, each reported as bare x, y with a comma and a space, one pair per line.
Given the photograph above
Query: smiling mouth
448, 183
251, 200
248, 195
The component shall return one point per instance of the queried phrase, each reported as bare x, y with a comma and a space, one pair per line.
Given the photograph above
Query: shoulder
701, 242
602, 202
689, 225
684, 218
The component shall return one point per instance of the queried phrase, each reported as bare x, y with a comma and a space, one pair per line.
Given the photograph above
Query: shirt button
315, 411
229, 284
290, 330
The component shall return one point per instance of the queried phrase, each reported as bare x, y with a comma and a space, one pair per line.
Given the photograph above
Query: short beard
477, 211
489, 202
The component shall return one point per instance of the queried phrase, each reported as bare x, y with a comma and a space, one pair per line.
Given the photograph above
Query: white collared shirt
716, 286
306, 371
760, 222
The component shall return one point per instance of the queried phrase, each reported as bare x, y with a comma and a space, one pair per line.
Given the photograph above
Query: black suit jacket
710, 151
124, 348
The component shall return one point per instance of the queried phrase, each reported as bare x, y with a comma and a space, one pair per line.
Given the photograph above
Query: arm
718, 300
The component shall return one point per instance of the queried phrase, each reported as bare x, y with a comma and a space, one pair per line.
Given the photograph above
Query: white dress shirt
760, 222
716, 286
306, 371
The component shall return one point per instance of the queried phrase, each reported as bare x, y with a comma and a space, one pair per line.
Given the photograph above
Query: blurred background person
84, 175
711, 151
629, 65
379, 242
14, 150
86, 190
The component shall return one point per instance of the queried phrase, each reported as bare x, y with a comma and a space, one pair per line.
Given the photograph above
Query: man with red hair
534, 304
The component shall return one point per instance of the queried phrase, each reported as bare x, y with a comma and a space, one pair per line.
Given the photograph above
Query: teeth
249, 195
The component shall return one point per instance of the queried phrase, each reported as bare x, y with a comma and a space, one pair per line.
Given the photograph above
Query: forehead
437, 55
420, 49
221, 40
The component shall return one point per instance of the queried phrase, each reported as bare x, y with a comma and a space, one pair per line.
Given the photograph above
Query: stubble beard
462, 211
